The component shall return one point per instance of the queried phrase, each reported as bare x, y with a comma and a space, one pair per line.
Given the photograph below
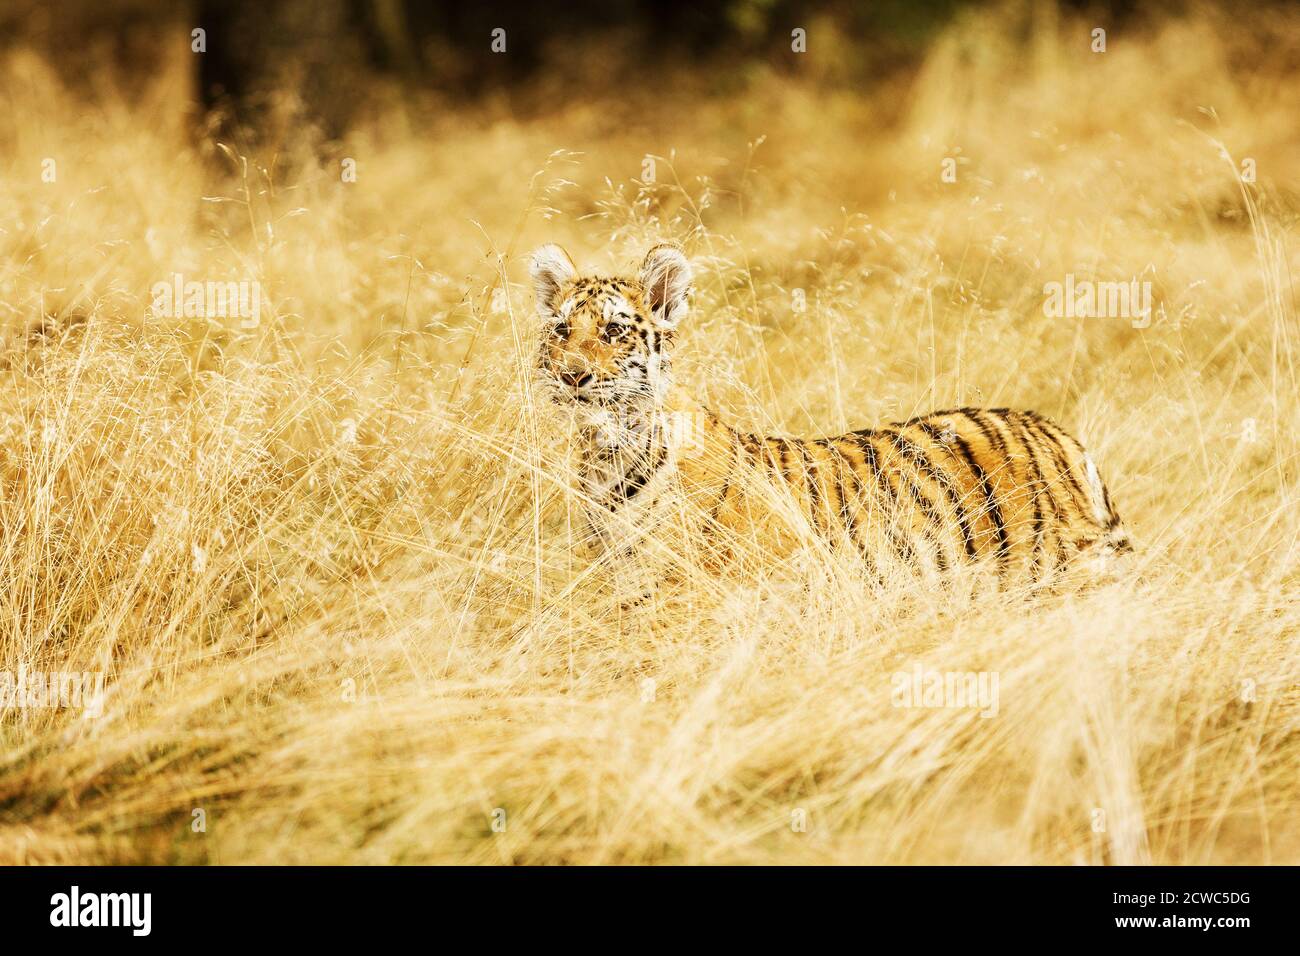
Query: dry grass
325, 564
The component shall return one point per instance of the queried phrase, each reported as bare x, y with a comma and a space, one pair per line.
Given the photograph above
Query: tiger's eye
614, 331
561, 329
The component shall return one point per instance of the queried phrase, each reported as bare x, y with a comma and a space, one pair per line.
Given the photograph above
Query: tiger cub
992, 488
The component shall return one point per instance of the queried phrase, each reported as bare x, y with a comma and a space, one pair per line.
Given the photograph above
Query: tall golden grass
326, 565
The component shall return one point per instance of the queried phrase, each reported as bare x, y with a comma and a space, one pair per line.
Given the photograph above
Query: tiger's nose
575, 379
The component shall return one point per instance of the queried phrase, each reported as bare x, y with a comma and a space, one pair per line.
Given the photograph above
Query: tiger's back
1000, 488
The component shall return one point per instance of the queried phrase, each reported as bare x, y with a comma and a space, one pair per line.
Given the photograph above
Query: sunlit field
326, 558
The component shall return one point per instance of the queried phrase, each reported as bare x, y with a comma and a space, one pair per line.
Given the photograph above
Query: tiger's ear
666, 279
550, 268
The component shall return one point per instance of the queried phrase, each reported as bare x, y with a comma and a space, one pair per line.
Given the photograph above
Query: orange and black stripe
957, 487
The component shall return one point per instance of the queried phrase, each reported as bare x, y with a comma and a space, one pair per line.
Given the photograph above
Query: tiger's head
606, 342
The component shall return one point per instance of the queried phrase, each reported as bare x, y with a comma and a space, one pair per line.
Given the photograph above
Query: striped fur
993, 488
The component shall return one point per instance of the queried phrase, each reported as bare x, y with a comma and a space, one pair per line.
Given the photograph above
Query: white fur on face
616, 305
657, 368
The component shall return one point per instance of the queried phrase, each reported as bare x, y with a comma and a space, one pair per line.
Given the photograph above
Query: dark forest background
326, 48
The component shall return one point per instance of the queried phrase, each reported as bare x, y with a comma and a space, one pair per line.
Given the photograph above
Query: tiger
1003, 491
